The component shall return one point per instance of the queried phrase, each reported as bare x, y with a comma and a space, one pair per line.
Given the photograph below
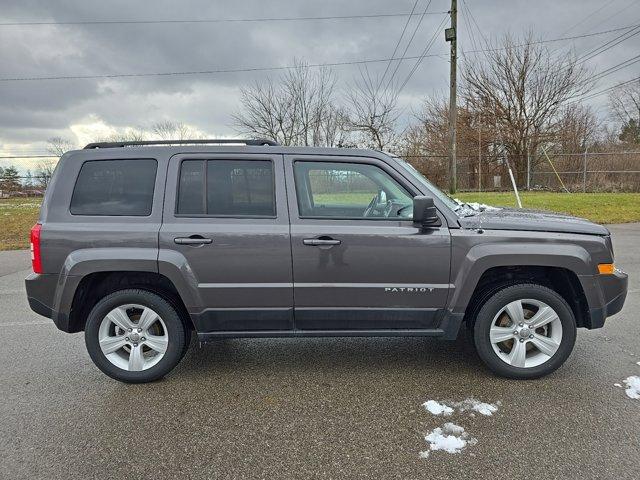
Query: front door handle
193, 240
318, 242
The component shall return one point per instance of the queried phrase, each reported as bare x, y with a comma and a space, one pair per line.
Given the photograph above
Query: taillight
36, 259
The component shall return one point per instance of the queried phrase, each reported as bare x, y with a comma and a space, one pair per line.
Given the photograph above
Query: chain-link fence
23, 186
574, 172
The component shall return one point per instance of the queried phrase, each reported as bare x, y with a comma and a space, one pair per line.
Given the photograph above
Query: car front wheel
524, 331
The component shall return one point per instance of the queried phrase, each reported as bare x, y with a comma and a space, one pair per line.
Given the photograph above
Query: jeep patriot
141, 244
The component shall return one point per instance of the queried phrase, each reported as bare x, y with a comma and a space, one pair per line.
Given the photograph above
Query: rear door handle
317, 242
193, 240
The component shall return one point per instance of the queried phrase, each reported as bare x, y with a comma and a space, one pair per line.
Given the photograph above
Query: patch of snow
482, 207
451, 438
479, 207
617, 385
637, 363
436, 408
633, 387
482, 408
447, 408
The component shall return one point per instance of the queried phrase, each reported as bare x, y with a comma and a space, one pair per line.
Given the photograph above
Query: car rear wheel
524, 331
135, 336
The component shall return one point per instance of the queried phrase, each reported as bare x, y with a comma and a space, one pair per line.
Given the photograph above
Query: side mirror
425, 213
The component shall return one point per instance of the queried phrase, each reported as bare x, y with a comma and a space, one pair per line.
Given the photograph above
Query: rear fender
81, 263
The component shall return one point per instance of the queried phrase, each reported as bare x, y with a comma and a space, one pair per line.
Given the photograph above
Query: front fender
482, 257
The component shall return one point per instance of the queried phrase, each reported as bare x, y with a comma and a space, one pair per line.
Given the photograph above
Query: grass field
597, 207
17, 215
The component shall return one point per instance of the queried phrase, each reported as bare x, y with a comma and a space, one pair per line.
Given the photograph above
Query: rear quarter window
115, 187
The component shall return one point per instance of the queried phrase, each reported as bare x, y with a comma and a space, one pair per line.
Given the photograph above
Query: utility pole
479, 153
450, 36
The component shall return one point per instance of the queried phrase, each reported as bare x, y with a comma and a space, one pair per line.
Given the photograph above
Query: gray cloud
30, 112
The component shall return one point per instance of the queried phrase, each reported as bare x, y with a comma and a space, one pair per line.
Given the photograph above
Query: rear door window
226, 188
115, 187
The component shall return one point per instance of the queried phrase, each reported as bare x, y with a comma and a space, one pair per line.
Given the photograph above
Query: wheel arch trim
483, 257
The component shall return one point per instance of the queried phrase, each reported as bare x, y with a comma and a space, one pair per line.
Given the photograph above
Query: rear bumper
606, 295
43, 298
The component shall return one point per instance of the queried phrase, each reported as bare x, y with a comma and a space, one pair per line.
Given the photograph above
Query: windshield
446, 199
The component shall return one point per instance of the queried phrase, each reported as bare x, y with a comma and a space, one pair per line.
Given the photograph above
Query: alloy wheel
526, 333
133, 337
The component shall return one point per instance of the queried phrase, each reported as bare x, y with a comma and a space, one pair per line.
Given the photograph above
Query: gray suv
139, 244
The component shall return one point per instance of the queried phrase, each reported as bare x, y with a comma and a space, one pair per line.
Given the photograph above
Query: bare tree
523, 88
128, 135
426, 143
624, 102
56, 146
577, 129
373, 113
297, 109
59, 145
169, 130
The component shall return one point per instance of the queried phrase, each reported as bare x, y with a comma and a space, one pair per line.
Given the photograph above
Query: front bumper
605, 295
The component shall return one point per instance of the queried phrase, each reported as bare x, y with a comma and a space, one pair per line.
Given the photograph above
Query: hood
532, 220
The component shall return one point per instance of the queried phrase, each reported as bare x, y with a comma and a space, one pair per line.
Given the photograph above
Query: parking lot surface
314, 408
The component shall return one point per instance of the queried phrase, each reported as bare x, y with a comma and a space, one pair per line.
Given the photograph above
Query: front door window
349, 191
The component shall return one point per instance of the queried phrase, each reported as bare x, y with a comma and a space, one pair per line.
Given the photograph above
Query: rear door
359, 263
226, 216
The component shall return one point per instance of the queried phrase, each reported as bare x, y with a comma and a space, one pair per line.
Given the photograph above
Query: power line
602, 7
549, 40
289, 67
589, 96
467, 22
422, 56
205, 72
404, 29
618, 12
598, 10
27, 156
600, 75
608, 45
406, 48
216, 20
615, 68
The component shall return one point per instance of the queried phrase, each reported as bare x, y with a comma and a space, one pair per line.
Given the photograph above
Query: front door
359, 263
226, 221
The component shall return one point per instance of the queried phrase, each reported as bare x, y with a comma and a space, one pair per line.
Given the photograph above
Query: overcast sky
83, 109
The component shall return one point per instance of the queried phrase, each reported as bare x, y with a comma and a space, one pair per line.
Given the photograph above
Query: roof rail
248, 142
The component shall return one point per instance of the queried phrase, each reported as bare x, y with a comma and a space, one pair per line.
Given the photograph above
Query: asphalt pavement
314, 408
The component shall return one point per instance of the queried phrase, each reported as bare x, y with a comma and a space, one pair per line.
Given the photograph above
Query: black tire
176, 331
496, 302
